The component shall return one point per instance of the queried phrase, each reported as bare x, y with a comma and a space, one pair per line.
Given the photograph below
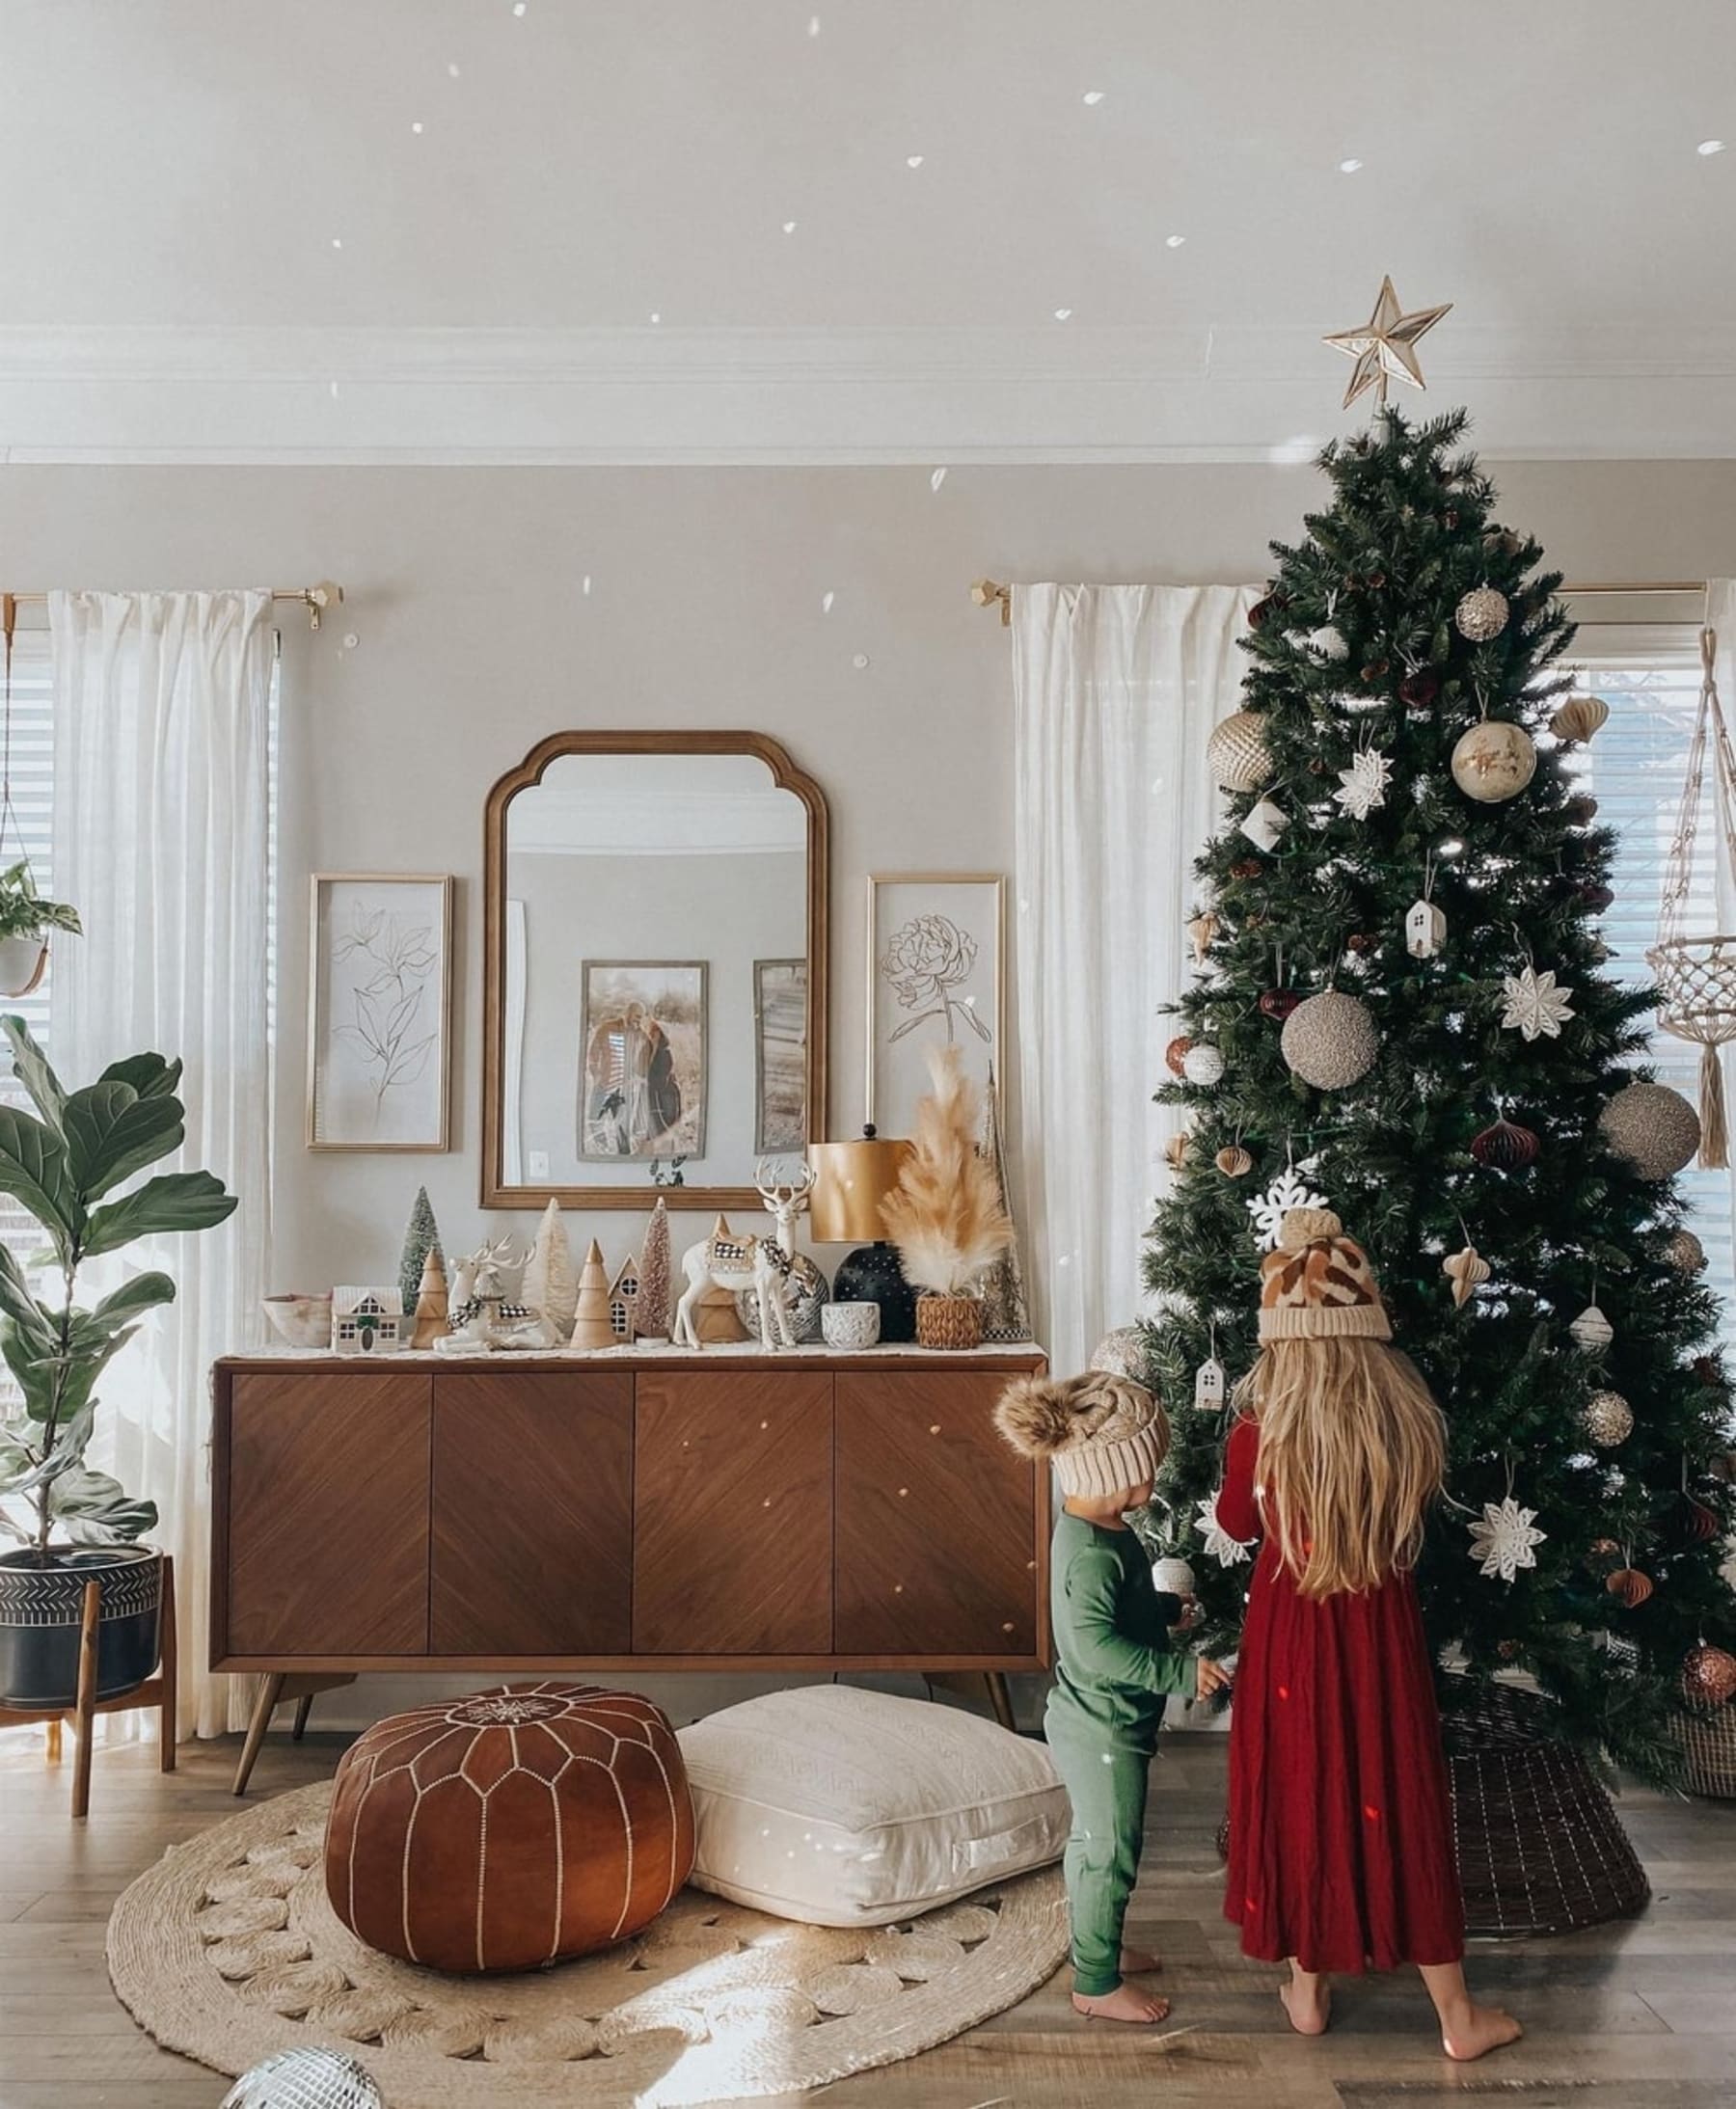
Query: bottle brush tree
1402, 1010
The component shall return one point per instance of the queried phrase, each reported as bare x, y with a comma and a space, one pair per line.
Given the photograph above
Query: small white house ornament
1424, 930
366, 1320
1210, 1383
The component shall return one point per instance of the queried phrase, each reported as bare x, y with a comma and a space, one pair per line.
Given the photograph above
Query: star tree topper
1385, 348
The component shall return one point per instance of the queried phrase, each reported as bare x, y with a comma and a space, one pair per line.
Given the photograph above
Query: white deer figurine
479, 1312
763, 1264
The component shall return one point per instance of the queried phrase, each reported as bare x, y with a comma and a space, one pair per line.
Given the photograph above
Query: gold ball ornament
1175, 1054
1121, 1354
1607, 1418
1467, 1271
1330, 1041
1709, 1676
1685, 1253
1236, 753
1481, 614
1494, 761
1233, 1161
1653, 1127
1579, 719
1203, 1063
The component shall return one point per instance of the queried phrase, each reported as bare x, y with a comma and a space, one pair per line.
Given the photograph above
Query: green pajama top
1114, 1661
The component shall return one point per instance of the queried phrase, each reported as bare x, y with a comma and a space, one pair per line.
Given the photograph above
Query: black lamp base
872, 1275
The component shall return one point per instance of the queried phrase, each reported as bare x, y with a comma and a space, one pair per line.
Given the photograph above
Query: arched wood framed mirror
654, 970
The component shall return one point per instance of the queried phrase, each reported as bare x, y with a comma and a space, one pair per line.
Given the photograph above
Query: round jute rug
227, 1951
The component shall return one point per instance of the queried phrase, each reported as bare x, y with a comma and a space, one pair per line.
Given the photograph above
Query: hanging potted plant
945, 1214
71, 1524
25, 921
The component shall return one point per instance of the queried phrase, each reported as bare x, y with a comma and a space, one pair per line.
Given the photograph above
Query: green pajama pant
1105, 1779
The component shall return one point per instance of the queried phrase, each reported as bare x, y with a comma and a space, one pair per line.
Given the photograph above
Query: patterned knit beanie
1318, 1285
1101, 1433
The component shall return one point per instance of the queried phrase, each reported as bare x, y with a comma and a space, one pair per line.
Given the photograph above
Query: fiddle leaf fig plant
61, 1164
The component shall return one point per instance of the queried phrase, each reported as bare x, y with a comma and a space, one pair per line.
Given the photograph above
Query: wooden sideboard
718, 1510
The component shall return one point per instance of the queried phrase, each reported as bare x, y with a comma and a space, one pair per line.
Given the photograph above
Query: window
1634, 768
32, 815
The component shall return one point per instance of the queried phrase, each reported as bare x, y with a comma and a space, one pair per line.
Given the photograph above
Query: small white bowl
850, 1325
303, 1321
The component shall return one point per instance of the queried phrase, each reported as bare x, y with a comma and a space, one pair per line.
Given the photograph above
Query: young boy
1105, 1437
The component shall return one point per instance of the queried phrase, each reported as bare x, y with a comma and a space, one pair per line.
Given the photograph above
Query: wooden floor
1641, 2015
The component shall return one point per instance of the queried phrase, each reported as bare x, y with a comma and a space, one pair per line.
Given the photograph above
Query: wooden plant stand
157, 1691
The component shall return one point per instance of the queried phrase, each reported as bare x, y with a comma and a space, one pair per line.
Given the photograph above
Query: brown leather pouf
510, 1828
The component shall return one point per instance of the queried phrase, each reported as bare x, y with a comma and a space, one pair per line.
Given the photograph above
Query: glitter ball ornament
1506, 1146
1591, 1331
1709, 1676
1329, 642
1505, 1538
1330, 1041
1203, 1063
1249, 866
1233, 1161
1685, 1253
1175, 1055
1424, 930
1121, 1354
1419, 687
1602, 1555
1236, 753
1264, 823
1630, 1585
1579, 719
1607, 1418
1481, 614
308, 2078
1494, 761
1467, 1270
1653, 1127
1172, 1576
1279, 1003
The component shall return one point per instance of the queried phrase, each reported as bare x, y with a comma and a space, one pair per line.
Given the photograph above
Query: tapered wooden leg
51, 1741
304, 1706
85, 1719
1000, 1699
271, 1687
167, 1726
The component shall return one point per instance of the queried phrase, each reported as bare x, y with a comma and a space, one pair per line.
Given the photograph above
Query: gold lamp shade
850, 1180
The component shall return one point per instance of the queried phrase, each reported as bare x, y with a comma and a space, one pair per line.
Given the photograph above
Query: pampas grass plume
946, 1215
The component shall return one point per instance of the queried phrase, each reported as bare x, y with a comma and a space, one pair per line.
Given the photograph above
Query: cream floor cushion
843, 1807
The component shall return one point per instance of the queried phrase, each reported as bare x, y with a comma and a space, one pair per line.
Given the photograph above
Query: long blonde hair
1352, 1451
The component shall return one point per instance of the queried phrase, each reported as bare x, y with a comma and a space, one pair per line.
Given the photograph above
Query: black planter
42, 1609
872, 1275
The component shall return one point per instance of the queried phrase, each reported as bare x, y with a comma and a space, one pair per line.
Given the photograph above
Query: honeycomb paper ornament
1494, 761
1685, 1253
308, 2077
1609, 1419
1630, 1585
1330, 1041
1591, 1331
1176, 1150
1709, 1676
1467, 1271
1121, 1354
1233, 1161
1203, 1063
1653, 1127
1236, 753
1481, 614
1579, 719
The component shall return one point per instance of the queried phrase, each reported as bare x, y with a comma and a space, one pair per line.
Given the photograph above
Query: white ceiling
179, 177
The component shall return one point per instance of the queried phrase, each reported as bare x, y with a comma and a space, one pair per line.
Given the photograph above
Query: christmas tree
653, 1303
1400, 1011
422, 1236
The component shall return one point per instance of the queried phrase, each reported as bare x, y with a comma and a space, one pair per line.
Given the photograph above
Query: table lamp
851, 1182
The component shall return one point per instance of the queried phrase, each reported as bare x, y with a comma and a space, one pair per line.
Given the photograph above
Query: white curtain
161, 840
1116, 689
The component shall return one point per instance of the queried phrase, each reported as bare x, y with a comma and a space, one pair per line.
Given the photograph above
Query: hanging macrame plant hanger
1697, 976
22, 960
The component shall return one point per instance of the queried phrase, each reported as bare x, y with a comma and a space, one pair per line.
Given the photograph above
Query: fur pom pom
1036, 1416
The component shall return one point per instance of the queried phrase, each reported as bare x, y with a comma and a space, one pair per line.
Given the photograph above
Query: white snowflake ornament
1505, 1540
1220, 1546
1270, 1210
1535, 1005
1363, 786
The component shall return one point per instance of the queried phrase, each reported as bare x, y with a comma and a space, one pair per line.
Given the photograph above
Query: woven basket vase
949, 1322
1708, 1743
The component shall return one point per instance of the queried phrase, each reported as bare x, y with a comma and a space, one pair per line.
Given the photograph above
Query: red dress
1341, 1842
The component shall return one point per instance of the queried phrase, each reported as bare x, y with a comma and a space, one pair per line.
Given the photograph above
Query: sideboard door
732, 1500
328, 1516
937, 1543
532, 1538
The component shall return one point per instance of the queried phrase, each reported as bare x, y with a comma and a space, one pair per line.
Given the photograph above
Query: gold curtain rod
323, 595
990, 592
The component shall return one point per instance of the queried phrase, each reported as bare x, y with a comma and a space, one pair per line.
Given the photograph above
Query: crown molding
1061, 394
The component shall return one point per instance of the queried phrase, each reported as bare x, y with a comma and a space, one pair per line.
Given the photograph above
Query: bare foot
1477, 2031
1138, 1963
1309, 2007
1124, 2004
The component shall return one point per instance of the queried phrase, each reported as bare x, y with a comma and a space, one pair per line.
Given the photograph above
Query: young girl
1340, 1848
1105, 1437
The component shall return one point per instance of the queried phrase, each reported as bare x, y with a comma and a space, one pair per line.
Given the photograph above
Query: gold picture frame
929, 978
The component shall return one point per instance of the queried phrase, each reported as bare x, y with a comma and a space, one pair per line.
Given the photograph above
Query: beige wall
475, 639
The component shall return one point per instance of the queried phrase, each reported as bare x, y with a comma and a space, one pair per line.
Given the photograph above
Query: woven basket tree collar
1318, 1285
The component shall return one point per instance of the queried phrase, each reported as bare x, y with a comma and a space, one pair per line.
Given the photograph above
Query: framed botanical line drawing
779, 1056
937, 971
642, 1058
379, 1010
